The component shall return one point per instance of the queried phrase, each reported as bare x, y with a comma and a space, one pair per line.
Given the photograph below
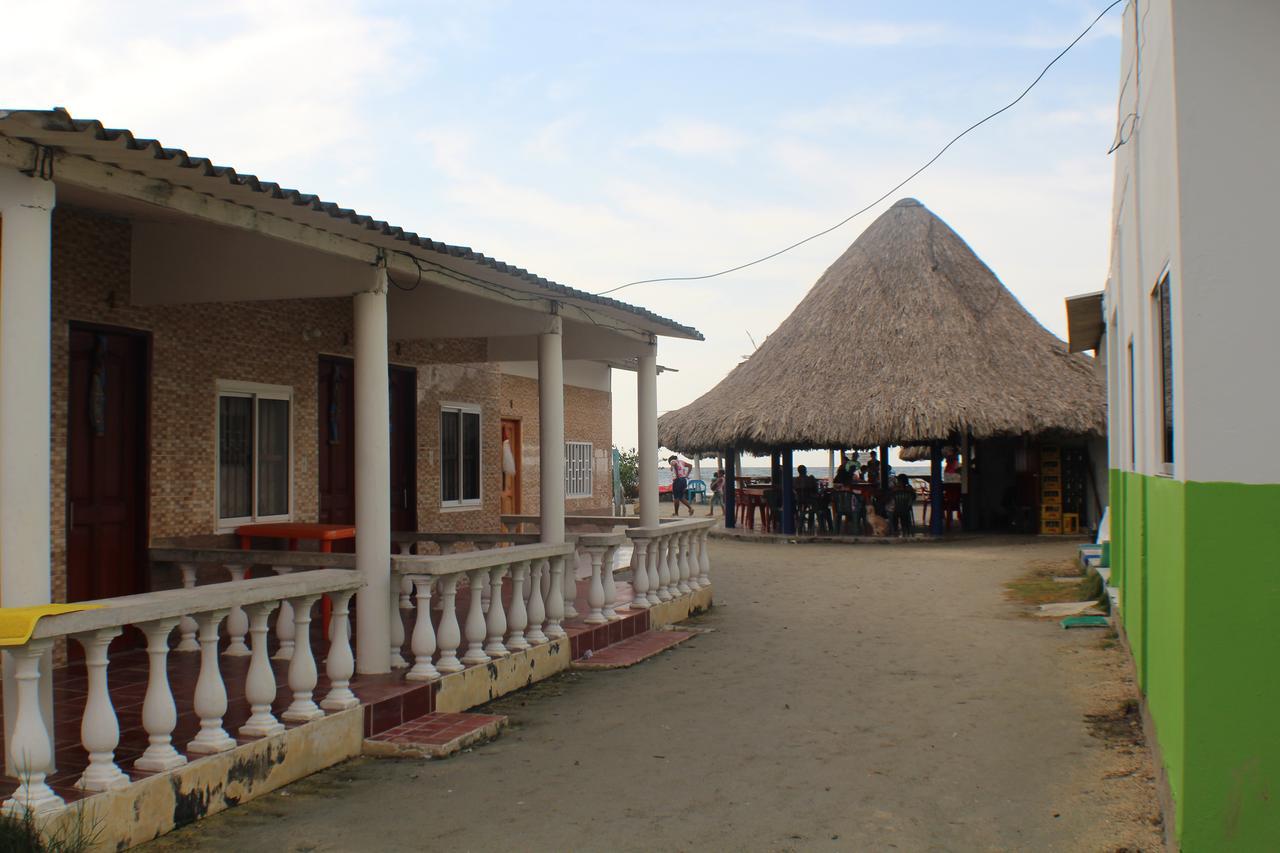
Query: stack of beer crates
1050, 490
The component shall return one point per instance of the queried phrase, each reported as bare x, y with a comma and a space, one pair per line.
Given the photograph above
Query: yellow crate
1071, 522
1050, 480
1050, 467
1050, 453
1054, 513
1051, 496
1050, 527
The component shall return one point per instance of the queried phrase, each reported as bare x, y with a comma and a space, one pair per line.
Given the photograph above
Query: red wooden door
107, 464
404, 448
337, 399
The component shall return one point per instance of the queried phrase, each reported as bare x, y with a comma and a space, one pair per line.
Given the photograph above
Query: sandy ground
843, 698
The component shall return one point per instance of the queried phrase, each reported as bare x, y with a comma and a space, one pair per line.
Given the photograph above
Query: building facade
1191, 351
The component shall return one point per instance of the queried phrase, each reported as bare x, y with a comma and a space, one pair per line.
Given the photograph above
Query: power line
894, 188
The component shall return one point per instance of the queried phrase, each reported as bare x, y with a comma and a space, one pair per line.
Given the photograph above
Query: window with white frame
255, 459
577, 469
459, 455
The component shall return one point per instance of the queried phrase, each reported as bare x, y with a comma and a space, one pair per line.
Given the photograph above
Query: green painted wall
1198, 566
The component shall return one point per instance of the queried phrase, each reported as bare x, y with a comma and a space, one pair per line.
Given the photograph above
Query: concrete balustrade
493, 631
669, 561
157, 614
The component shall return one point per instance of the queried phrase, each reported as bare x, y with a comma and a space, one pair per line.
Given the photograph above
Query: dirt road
845, 698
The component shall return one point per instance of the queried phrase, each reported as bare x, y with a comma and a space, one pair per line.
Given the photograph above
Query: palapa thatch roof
907, 337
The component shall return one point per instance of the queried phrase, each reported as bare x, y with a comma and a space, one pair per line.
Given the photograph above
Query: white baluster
302, 665
99, 728
475, 627
570, 581
424, 635
406, 593
610, 587
537, 610
496, 619
286, 630
682, 563
448, 635
159, 713
30, 752
260, 683
210, 702
639, 574
595, 592
655, 558
518, 618
664, 567
237, 622
187, 627
339, 663
704, 557
397, 631
555, 600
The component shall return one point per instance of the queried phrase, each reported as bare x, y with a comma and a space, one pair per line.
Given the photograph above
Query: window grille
577, 469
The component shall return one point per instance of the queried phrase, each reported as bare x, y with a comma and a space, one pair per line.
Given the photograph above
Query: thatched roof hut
908, 337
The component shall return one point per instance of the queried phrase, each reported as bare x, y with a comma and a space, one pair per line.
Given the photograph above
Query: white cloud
692, 137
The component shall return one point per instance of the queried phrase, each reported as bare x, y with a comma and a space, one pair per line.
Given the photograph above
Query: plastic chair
698, 489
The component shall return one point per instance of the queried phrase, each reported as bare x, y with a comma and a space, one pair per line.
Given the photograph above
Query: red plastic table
292, 531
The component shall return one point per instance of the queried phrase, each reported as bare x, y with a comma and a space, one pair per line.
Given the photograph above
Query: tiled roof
88, 137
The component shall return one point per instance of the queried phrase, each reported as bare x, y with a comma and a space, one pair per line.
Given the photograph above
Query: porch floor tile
632, 650
435, 735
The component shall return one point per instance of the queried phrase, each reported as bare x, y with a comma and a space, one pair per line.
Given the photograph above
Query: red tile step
435, 735
633, 650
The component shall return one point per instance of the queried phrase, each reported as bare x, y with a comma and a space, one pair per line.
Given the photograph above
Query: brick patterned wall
588, 416
193, 346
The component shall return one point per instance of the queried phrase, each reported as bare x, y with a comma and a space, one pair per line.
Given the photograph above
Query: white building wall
1227, 79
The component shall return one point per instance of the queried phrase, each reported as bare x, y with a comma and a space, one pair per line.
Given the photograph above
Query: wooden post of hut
935, 488
788, 494
730, 497
884, 466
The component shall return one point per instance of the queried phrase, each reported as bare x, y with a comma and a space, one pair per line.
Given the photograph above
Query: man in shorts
680, 483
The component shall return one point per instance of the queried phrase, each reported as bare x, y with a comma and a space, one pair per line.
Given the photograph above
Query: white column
302, 666
26, 217
99, 728
260, 683
339, 662
551, 433
210, 702
373, 478
647, 430
424, 634
159, 713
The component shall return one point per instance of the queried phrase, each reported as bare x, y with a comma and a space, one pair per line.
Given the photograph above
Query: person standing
680, 484
717, 492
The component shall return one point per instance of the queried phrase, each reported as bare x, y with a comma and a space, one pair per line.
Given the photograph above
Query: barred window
577, 469
459, 456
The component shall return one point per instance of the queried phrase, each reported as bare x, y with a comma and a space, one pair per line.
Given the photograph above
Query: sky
596, 144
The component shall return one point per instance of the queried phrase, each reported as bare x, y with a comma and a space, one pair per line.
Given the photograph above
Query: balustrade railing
157, 614
491, 628
669, 560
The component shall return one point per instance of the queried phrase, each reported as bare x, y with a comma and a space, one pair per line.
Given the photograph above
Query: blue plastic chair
698, 489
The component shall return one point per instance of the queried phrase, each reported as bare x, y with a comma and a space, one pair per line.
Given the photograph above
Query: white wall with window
255, 453
577, 469
460, 442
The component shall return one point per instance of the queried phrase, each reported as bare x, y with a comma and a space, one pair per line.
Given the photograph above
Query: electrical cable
893, 189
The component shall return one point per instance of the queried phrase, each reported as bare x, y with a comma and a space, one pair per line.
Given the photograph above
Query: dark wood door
107, 464
404, 448
337, 404
337, 399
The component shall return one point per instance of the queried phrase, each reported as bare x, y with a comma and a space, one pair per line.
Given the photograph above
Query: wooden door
404, 448
511, 483
337, 403
107, 463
